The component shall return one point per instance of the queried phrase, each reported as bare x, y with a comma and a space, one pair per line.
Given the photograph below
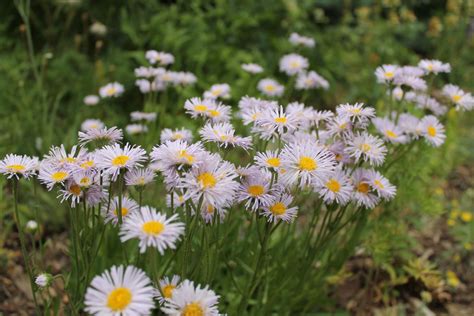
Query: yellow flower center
214, 113
177, 136
333, 185
280, 120
278, 208
59, 176
307, 163
270, 88
355, 110
365, 147
255, 190
87, 164
379, 184
363, 187
111, 91
210, 209
338, 157
192, 309
216, 92
85, 181
389, 74
180, 198
431, 131
16, 168
75, 189
200, 108
207, 180
390, 134
273, 162
456, 98
120, 160
430, 67
153, 228
255, 116
167, 290
119, 299
189, 158
69, 160
124, 212
295, 64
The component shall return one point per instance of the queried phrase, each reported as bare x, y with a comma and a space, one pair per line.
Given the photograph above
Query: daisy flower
198, 107
43, 280
208, 212
139, 177
278, 121
100, 136
153, 229
412, 82
166, 288
270, 87
220, 113
213, 180
178, 199
91, 100
278, 208
306, 163
60, 158
135, 129
434, 66
389, 130
409, 124
293, 64
125, 291
297, 39
112, 158
113, 89
269, 159
432, 130
381, 185
173, 156
220, 90
363, 194
148, 72
311, 80
146, 86
364, 146
412, 71
110, 214
31, 226
193, 300
317, 117
337, 188
255, 190
223, 134
252, 68
461, 99
185, 78
339, 126
91, 124
143, 116
386, 73
17, 166
51, 176
356, 113
161, 58
177, 134
397, 93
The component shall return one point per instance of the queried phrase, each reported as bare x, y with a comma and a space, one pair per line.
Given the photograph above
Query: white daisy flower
252, 68
305, 164
220, 113
339, 126
389, 130
293, 64
50, 175
255, 191
166, 288
220, 90
462, 100
91, 124
213, 180
71, 191
146, 86
198, 107
124, 291
223, 135
297, 39
107, 136
161, 58
278, 208
409, 124
386, 73
185, 78
364, 146
278, 121
337, 188
413, 82
434, 66
412, 71
43, 280
174, 156
397, 93
60, 158
135, 129
356, 113
381, 185
208, 212
111, 90
112, 158
178, 199
317, 117
139, 177
143, 116
190, 300
18, 166
363, 194
153, 229
31, 226
91, 100
269, 159
338, 149
432, 130
177, 134
111, 214
270, 87
148, 72
311, 80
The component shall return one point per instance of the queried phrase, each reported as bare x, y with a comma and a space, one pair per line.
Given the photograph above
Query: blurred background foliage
81, 45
